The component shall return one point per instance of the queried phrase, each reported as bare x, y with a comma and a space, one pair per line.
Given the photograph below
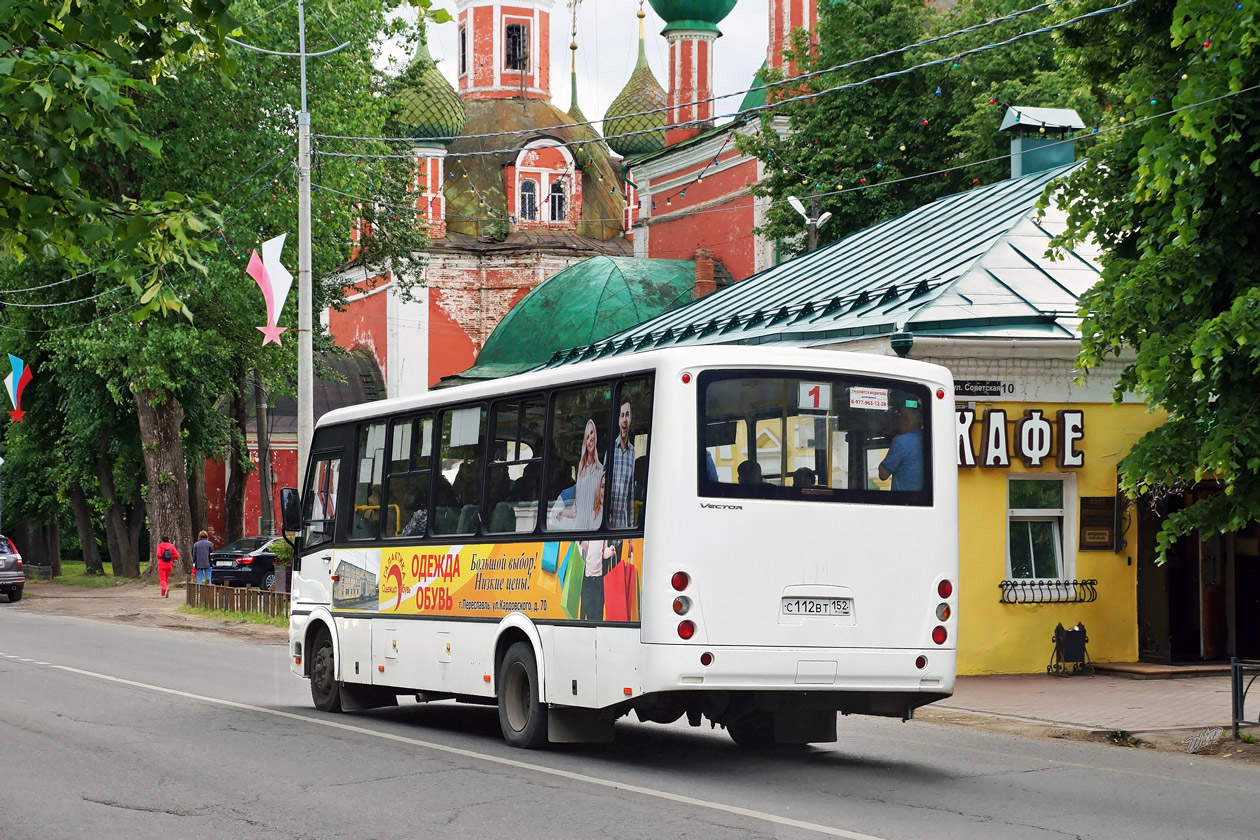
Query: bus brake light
944, 589
680, 581
686, 629
938, 635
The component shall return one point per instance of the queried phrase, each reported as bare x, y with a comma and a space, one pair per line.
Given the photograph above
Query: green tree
1174, 202
851, 148
72, 77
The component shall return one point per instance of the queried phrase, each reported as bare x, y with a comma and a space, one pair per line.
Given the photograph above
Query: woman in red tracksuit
166, 563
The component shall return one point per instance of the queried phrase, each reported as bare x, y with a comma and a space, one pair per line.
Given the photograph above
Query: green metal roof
970, 264
586, 302
703, 15
755, 98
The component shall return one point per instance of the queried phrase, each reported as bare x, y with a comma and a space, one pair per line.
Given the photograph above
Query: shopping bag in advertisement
550, 557
620, 589
574, 571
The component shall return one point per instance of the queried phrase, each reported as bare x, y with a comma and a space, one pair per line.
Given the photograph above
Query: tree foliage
864, 151
1174, 201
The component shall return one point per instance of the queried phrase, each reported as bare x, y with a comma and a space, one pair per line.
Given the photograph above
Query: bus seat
469, 519
503, 519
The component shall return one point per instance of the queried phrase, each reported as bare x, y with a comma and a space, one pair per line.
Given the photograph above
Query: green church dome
641, 93
425, 104
702, 15
586, 302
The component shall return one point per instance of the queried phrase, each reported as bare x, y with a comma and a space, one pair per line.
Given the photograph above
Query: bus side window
321, 502
369, 465
410, 464
515, 469
457, 497
627, 461
576, 469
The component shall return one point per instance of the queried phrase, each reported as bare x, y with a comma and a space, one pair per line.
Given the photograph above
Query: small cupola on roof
504, 49
1041, 138
626, 114
426, 106
691, 30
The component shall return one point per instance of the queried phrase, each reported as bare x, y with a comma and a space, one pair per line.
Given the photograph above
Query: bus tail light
682, 605
942, 612
944, 589
938, 635
706, 659
686, 378
921, 663
680, 581
686, 629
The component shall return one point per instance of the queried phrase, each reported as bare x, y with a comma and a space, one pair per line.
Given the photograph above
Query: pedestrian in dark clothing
167, 554
201, 558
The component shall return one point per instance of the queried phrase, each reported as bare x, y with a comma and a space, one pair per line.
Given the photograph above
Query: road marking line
26, 660
43, 663
494, 759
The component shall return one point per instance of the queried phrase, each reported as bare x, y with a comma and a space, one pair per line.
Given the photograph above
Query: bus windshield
814, 437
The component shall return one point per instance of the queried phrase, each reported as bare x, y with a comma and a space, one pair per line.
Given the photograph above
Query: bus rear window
814, 437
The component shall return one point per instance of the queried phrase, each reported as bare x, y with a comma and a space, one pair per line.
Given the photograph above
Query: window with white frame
1035, 513
557, 201
516, 47
529, 200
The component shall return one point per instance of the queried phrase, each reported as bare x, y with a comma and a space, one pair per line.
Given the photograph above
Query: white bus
763, 537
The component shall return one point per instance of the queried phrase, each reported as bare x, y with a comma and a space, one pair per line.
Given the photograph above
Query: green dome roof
425, 104
587, 302
692, 14
641, 93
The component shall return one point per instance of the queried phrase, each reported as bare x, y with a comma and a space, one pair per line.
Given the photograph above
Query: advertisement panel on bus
580, 580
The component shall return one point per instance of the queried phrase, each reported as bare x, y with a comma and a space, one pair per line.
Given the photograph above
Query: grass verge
236, 617
75, 574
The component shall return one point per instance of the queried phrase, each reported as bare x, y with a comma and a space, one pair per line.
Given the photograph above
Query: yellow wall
997, 638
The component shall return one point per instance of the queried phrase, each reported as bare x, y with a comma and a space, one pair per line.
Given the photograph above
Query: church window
516, 47
557, 201
529, 201
463, 51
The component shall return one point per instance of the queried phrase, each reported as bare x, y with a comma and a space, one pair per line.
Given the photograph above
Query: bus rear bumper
822, 670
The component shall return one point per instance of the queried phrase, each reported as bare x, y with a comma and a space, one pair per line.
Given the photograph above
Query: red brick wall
363, 324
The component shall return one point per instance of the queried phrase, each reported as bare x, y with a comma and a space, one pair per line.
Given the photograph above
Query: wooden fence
237, 599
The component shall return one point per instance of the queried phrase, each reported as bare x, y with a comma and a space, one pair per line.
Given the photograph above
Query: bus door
312, 572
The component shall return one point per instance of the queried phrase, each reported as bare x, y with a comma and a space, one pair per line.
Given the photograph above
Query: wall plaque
1098, 523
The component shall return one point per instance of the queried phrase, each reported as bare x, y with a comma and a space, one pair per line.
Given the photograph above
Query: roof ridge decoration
641, 93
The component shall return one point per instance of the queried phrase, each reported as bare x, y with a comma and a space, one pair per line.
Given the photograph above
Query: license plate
818, 606
224, 563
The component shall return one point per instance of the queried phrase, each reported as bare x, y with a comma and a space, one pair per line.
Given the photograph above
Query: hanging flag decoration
274, 280
15, 383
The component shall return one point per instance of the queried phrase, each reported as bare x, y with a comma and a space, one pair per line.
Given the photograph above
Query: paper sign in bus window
814, 396
873, 399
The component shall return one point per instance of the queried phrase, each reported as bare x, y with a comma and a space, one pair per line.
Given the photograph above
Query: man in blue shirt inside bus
904, 461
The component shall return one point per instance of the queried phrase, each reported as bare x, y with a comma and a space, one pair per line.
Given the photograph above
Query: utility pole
812, 219
306, 352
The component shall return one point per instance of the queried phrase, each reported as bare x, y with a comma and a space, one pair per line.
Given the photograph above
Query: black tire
15, 595
522, 714
325, 690
269, 582
753, 731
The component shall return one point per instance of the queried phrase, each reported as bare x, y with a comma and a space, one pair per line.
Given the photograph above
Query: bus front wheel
325, 690
522, 714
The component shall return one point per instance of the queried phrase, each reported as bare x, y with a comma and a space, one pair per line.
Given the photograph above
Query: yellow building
1045, 539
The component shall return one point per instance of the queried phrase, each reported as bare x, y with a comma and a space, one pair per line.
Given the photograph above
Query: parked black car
12, 578
247, 562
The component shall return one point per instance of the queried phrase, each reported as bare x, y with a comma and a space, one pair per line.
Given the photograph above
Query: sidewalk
1098, 704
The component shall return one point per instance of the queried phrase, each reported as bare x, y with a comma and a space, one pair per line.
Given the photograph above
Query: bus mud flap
358, 698
805, 727
579, 726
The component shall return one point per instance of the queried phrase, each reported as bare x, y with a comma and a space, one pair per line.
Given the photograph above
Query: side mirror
290, 510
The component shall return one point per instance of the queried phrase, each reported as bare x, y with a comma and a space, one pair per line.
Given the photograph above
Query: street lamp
811, 218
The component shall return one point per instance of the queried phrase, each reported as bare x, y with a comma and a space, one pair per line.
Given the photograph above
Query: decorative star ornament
15, 383
274, 280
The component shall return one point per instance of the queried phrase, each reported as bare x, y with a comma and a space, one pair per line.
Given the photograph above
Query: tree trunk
137, 516
238, 469
123, 559
163, 445
198, 510
264, 457
87, 535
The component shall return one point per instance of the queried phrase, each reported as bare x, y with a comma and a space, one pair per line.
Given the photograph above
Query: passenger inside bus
904, 461
749, 472
803, 477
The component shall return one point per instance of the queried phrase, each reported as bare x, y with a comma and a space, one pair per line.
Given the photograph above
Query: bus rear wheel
325, 690
522, 714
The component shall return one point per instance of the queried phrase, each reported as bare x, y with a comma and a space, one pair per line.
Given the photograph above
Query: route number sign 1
814, 396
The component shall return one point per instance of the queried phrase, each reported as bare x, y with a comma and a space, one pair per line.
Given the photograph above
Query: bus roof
741, 356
